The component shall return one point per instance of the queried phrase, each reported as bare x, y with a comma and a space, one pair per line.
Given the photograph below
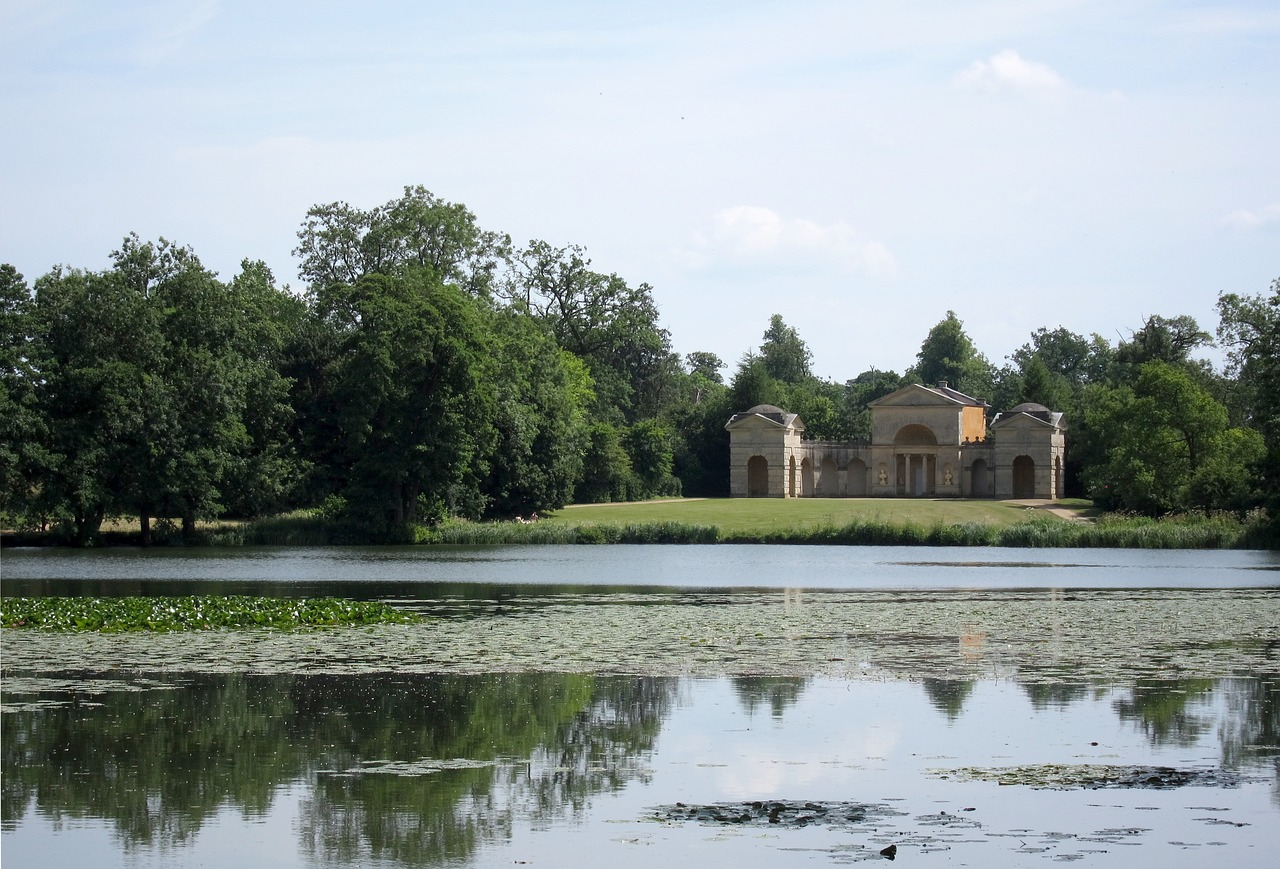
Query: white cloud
1009, 70
1262, 218
753, 234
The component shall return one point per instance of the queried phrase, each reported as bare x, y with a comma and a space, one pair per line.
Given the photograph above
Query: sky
859, 168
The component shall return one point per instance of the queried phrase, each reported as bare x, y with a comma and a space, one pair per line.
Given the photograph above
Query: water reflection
429, 769
775, 693
158, 759
948, 695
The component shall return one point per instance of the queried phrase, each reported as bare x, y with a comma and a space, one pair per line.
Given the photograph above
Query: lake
722, 705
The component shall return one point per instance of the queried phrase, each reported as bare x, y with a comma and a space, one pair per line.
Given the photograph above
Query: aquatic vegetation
1093, 776
786, 813
1042, 637
197, 612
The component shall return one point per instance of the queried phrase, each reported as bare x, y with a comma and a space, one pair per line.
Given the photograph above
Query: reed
483, 533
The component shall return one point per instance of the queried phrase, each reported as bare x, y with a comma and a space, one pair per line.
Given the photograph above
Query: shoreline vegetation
849, 522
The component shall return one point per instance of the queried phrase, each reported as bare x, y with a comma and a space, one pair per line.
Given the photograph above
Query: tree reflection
1161, 710
159, 763
777, 693
1250, 732
1054, 695
948, 695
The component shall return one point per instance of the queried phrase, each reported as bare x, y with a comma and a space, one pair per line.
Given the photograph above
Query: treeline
431, 368
1151, 429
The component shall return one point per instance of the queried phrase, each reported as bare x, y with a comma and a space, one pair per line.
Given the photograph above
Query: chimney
942, 384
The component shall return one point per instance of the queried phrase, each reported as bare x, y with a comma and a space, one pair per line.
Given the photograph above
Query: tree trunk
87, 523
188, 528
145, 521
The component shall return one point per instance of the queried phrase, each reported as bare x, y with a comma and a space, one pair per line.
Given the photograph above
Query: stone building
926, 441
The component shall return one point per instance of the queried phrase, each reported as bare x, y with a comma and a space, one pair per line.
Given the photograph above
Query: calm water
392, 571
107, 768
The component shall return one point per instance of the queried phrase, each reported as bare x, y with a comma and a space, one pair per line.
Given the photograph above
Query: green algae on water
196, 612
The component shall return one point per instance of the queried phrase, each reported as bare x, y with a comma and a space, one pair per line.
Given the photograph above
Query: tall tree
947, 353
542, 396
785, 355
600, 318
98, 347
1250, 330
860, 392
339, 244
413, 389
265, 476
1149, 443
21, 425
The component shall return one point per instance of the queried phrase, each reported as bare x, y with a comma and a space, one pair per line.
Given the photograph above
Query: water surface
635, 706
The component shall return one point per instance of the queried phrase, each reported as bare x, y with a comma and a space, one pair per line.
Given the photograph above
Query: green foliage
785, 356
159, 389
700, 455
1164, 445
648, 443
413, 392
607, 323
606, 472
947, 353
543, 393
198, 612
339, 244
21, 423
433, 371
489, 533
160, 765
1250, 330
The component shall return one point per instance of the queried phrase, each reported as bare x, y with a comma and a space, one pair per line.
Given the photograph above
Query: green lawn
732, 515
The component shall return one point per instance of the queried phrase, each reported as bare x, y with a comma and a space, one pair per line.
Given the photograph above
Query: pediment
1025, 421
757, 422
916, 395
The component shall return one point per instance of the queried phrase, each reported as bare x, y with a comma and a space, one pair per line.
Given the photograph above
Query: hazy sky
857, 167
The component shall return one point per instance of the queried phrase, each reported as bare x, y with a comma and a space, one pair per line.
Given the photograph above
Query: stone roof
1033, 410
957, 395
770, 412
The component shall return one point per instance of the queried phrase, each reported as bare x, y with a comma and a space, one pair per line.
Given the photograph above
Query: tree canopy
432, 368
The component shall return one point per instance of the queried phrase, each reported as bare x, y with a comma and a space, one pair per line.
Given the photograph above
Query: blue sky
857, 167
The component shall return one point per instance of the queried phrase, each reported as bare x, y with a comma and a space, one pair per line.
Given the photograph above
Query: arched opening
915, 435
979, 480
1024, 477
857, 479
828, 478
792, 481
757, 477
806, 478
1057, 477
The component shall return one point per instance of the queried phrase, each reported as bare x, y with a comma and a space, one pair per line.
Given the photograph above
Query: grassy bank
850, 521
